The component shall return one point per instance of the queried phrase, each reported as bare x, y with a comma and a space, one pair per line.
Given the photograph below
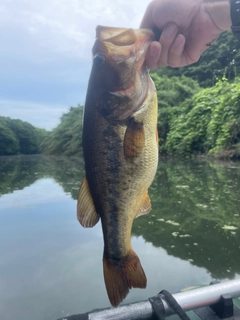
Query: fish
120, 150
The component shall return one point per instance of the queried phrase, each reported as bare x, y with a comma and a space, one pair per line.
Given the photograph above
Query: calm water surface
51, 267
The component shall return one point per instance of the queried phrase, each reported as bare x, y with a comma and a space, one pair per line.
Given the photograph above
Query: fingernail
170, 29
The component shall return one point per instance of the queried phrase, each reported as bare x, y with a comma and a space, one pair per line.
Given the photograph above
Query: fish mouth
122, 36
120, 75
122, 43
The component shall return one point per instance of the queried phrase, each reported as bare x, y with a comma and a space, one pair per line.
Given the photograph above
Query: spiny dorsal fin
134, 140
86, 212
145, 207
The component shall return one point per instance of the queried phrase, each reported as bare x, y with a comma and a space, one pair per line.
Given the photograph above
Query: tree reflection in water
195, 213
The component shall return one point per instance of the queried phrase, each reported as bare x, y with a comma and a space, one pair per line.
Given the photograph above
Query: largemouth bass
120, 147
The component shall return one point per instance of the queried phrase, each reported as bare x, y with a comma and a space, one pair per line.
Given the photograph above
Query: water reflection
50, 266
19, 172
196, 216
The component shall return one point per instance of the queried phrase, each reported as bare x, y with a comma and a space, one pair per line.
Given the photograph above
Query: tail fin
120, 276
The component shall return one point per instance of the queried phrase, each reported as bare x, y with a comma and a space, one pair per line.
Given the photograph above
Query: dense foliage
19, 137
221, 58
170, 91
208, 123
66, 138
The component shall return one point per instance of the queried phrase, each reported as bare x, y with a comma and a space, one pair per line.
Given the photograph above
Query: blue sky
45, 52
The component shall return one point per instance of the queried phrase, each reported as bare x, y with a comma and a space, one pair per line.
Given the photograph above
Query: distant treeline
19, 137
199, 112
66, 138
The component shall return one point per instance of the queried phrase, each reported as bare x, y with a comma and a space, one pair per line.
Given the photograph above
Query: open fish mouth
121, 42
120, 70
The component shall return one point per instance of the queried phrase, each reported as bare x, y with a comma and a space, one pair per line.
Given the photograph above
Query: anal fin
145, 206
86, 212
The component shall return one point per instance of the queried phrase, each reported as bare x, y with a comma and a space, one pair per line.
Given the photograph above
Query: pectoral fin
86, 212
134, 140
145, 206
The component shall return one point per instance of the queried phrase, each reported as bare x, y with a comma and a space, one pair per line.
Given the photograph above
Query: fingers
166, 40
176, 54
169, 51
153, 55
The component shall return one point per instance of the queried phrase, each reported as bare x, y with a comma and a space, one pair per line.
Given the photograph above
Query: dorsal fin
86, 212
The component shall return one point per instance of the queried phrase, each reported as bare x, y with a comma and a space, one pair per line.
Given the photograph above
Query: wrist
219, 12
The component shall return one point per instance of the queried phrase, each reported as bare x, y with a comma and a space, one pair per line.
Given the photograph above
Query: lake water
51, 267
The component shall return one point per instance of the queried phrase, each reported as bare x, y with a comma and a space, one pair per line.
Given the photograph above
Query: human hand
187, 28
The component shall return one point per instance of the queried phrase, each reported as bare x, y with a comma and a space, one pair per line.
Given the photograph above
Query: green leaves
66, 138
9, 143
19, 137
208, 123
172, 94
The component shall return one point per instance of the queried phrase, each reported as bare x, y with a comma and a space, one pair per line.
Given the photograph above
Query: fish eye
98, 60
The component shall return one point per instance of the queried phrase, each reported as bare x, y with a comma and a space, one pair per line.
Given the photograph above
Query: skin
186, 29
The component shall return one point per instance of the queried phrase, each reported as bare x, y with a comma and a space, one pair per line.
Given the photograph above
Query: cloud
40, 115
45, 51
67, 26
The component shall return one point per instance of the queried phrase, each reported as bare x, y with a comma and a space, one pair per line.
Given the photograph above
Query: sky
45, 53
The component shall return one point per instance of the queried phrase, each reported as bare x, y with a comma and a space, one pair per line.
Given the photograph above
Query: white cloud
45, 52
68, 26
40, 115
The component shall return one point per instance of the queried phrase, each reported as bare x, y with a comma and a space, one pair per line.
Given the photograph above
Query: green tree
209, 122
223, 131
171, 93
27, 136
9, 144
19, 137
66, 138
